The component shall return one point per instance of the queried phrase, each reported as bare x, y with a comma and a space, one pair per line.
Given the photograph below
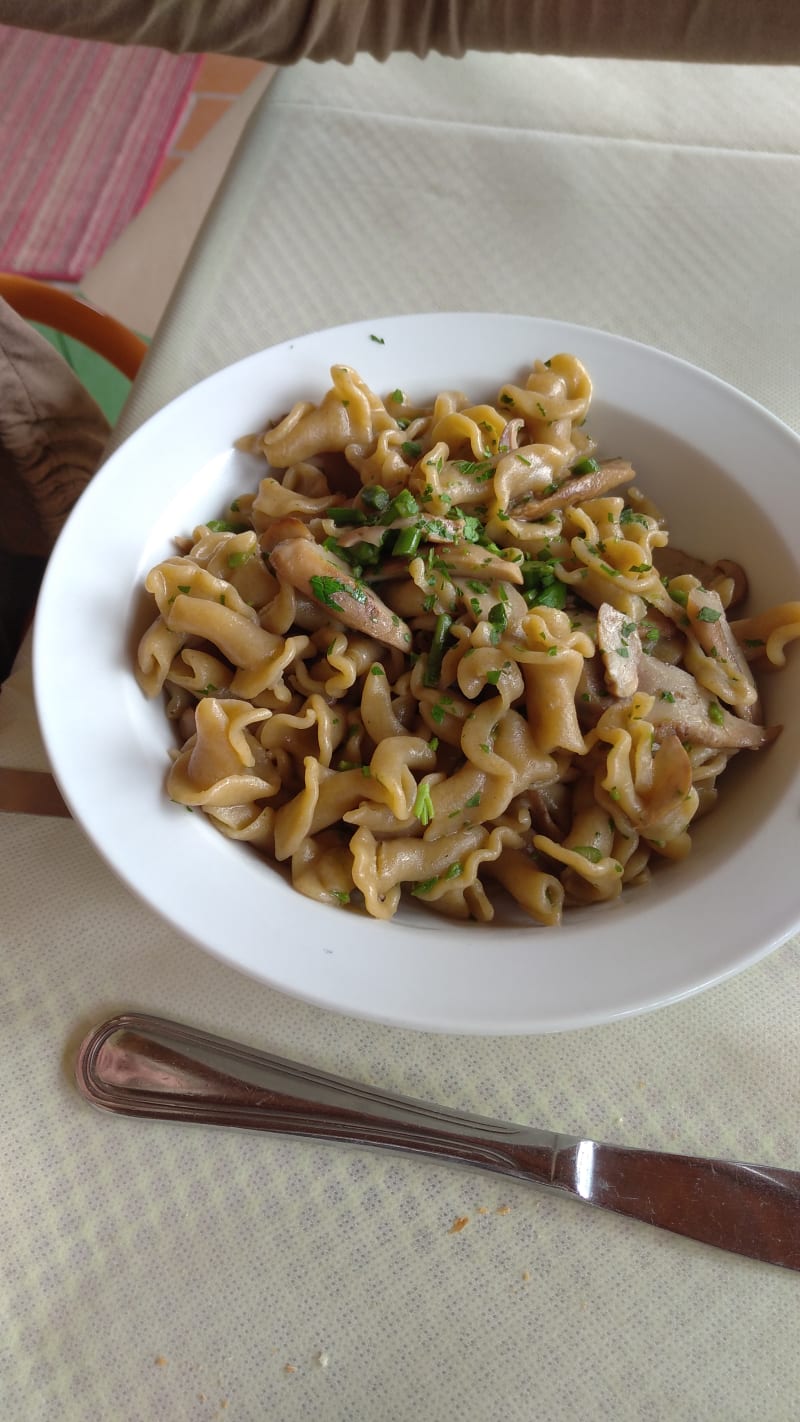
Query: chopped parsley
493, 676
708, 614
222, 525
454, 871
498, 616
472, 529
715, 713
630, 516
666, 696
377, 670
379, 341
235, 560
589, 851
754, 642
397, 396
585, 466
473, 801
411, 448
425, 886
325, 590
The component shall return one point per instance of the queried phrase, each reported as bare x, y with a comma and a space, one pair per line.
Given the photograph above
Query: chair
62, 311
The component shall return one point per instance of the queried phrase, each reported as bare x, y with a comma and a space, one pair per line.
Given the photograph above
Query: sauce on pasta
445, 650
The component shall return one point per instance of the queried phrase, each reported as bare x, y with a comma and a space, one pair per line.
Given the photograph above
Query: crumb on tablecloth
458, 1224
160, 1361
323, 1359
503, 1209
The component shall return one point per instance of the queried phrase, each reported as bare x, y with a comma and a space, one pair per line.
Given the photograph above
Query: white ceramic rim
107, 746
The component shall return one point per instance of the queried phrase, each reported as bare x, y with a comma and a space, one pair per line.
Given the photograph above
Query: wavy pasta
445, 651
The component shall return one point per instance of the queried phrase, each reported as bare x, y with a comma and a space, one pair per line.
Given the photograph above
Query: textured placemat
157, 1273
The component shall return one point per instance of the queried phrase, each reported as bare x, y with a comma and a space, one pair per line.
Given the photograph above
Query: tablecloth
151, 1271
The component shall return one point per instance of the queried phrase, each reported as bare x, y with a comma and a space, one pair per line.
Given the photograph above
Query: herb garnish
586, 466
423, 804
325, 590
433, 668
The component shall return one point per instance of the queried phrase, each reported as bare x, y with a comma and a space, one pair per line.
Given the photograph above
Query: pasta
444, 650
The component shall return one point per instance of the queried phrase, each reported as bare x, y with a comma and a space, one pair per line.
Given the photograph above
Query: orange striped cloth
84, 128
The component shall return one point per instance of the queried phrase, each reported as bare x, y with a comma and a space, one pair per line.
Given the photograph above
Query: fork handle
139, 1065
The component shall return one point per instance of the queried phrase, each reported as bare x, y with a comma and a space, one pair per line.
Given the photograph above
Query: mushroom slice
471, 560
619, 641
712, 630
549, 805
672, 782
591, 693
673, 562
725, 569
586, 486
282, 529
660, 637
306, 567
682, 705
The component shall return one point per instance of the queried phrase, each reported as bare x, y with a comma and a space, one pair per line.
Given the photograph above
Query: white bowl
725, 472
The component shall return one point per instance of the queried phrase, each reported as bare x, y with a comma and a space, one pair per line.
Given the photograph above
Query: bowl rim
325, 978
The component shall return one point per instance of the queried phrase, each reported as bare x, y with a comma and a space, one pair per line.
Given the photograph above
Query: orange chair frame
60, 310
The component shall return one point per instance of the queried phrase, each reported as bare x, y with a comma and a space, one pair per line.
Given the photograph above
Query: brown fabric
285, 31
52, 436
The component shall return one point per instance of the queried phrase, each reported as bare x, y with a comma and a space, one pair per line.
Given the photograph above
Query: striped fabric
83, 130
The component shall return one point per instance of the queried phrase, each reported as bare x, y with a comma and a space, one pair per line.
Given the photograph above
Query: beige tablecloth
153, 1272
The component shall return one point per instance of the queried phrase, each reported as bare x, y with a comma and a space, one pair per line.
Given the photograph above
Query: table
151, 1271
